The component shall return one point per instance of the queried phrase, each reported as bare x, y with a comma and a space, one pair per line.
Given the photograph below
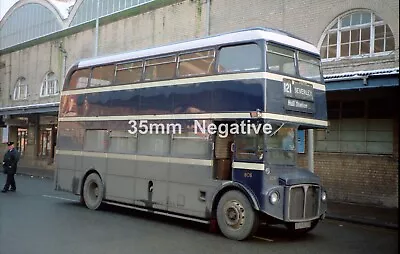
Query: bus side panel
66, 173
79, 173
237, 95
151, 186
96, 162
252, 179
189, 188
120, 180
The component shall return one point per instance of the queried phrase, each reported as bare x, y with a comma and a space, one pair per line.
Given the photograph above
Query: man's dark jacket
10, 162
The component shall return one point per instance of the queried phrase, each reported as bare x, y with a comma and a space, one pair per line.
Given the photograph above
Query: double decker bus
203, 130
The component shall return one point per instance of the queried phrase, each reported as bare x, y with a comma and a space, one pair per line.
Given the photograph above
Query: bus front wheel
236, 217
93, 191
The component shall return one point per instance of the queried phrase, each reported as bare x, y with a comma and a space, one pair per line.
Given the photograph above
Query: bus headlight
323, 196
274, 197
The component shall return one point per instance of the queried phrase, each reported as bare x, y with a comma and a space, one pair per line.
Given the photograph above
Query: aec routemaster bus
203, 130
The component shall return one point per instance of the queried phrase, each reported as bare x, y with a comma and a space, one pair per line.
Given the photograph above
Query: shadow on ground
271, 233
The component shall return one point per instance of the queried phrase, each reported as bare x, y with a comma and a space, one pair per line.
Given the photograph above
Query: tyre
236, 217
300, 232
93, 191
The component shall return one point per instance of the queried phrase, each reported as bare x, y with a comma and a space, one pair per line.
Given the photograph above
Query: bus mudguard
227, 186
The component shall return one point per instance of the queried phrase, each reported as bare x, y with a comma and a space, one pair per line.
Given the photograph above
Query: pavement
348, 212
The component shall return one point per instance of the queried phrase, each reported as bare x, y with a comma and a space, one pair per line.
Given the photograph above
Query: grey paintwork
176, 187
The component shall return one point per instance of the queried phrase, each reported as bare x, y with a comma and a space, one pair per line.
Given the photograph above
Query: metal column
310, 146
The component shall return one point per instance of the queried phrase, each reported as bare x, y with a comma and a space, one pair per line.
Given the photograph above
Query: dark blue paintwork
208, 97
252, 179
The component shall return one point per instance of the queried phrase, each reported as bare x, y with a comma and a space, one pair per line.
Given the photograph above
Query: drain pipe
96, 35
208, 17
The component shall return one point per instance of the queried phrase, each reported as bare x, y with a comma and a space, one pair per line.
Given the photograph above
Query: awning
362, 79
30, 109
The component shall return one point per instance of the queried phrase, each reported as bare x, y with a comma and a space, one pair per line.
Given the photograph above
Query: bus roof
267, 34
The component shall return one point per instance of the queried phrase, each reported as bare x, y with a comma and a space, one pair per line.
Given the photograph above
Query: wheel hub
94, 191
234, 214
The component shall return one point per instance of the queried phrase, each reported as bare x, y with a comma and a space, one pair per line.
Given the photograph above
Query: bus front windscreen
309, 67
294, 63
281, 145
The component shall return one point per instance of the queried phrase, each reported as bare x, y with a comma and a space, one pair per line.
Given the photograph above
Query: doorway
22, 140
223, 154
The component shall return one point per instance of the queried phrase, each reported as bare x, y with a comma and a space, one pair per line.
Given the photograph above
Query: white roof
244, 35
62, 6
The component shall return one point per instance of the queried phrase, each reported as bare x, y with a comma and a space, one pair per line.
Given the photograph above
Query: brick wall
359, 178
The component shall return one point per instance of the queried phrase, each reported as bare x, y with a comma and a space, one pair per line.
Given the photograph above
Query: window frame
296, 62
259, 43
188, 136
340, 119
336, 27
99, 66
69, 78
267, 138
152, 133
132, 61
20, 83
321, 77
127, 136
192, 51
98, 150
151, 58
295, 56
44, 89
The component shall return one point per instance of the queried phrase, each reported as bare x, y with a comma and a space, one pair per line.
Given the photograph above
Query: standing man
10, 167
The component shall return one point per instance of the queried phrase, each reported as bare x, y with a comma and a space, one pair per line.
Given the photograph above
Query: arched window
21, 89
89, 10
49, 85
358, 33
28, 21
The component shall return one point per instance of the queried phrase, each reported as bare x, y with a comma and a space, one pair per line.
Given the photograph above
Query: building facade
357, 157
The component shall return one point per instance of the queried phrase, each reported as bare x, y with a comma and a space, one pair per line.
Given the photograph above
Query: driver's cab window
249, 147
281, 145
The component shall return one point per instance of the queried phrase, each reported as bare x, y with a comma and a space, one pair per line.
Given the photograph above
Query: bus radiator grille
303, 202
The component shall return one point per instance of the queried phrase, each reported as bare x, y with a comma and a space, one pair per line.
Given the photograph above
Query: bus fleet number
248, 174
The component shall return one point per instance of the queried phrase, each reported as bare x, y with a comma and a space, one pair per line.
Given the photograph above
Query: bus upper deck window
240, 58
196, 63
79, 79
281, 60
102, 76
129, 73
160, 68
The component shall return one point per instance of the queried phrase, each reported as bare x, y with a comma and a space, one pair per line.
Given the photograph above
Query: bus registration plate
300, 225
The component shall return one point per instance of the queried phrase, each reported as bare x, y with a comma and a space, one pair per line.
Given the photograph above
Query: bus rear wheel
93, 191
236, 217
